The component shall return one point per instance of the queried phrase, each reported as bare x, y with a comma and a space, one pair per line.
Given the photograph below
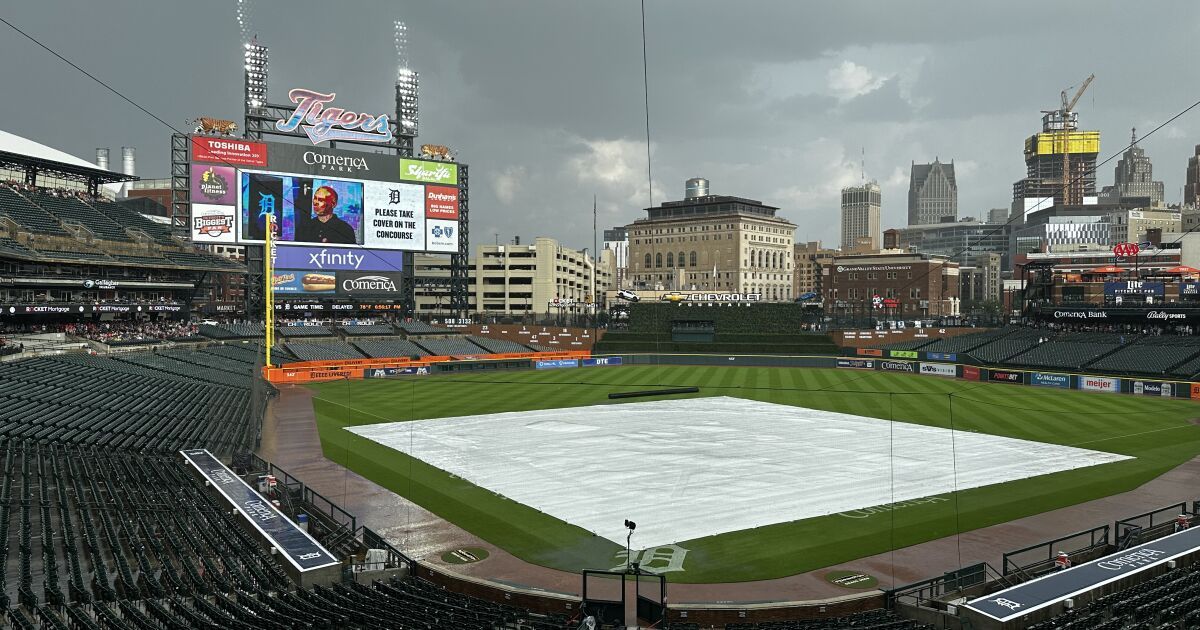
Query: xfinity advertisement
336, 258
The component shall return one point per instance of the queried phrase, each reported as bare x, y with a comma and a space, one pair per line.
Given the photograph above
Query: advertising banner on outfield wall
898, 366
1100, 384
856, 364
386, 372
970, 372
1004, 376
1195, 391
938, 369
869, 352
1153, 388
1042, 379
903, 354
941, 356
600, 361
553, 364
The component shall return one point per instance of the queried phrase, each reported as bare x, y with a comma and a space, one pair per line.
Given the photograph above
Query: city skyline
785, 119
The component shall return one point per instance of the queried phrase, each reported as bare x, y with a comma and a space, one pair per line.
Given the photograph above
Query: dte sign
601, 361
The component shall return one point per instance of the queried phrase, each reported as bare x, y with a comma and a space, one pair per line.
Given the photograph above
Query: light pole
630, 565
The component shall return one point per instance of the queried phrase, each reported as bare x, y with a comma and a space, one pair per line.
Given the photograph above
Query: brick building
912, 286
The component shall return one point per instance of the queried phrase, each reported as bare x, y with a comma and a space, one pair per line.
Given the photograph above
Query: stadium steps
69, 209
130, 219
25, 213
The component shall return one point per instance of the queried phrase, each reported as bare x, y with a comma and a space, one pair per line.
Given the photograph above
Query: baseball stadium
267, 392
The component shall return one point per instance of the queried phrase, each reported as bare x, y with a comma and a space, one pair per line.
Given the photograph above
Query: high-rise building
1043, 185
1191, 191
712, 242
617, 240
860, 214
997, 215
1133, 178
932, 193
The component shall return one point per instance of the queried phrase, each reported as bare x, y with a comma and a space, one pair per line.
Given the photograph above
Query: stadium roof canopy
32, 157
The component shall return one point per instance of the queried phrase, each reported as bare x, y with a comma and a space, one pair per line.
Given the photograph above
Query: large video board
322, 198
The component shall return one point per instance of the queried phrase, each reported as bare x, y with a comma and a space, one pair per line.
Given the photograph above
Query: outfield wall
934, 364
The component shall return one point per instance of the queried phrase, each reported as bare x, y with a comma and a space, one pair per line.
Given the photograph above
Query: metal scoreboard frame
263, 119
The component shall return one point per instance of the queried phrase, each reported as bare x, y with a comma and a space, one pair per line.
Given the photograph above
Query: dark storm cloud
772, 100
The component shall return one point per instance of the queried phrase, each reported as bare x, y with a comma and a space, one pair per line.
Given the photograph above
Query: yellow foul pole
269, 285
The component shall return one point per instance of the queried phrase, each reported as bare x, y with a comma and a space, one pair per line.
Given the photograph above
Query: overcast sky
769, 100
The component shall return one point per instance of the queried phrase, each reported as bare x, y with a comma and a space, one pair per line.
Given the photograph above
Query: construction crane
1067, 120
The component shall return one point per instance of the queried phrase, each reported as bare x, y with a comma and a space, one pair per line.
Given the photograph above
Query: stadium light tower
256, 74
407, 84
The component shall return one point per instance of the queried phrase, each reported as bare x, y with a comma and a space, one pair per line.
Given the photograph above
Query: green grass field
1157, 432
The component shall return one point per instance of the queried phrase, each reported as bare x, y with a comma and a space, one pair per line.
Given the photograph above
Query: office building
617, 240
810, 259
860, 215
918, 285
1130, 226
712, 242
960, 241
1191, 189
932, 193
1133, 179
981, 281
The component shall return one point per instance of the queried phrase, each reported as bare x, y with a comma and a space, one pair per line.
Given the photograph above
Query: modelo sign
898, 366
938, 369
1100, 384
1062, 381
1153, 388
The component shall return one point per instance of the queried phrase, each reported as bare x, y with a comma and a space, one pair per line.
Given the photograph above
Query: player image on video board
306, 209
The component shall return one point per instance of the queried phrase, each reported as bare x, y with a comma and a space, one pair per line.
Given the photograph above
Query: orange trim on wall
316, 371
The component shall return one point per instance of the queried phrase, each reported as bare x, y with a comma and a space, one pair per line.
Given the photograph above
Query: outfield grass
1156, 431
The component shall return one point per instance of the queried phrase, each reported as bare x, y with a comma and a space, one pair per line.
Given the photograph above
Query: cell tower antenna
862, 166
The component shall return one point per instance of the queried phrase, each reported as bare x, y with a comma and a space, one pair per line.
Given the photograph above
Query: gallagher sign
322, 123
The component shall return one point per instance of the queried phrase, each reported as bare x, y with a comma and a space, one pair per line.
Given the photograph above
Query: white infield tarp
685, 469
